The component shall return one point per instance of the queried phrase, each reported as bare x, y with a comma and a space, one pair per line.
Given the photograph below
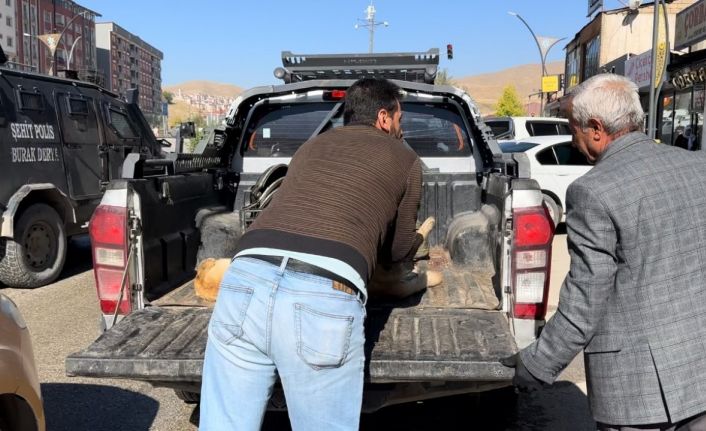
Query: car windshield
513, 147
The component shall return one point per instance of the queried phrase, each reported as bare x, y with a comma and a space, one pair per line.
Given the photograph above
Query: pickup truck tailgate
167, 344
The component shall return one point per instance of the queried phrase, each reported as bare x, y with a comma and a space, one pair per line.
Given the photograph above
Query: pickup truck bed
447, 333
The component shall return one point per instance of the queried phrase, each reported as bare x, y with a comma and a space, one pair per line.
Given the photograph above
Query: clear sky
239, 42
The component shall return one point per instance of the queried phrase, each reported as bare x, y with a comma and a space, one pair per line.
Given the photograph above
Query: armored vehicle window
121, 124
434, 130
79, 124
30, 101
78, 107
278, 130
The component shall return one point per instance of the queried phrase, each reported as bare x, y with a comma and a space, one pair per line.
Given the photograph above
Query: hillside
488, 87
484, 88
199, 98
205, 87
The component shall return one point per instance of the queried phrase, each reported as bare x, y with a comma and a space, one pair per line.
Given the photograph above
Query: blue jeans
267, 322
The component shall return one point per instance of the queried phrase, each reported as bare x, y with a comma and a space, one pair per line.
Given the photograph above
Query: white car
514, 128
554, 164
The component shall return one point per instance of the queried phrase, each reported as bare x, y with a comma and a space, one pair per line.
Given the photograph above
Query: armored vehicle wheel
36, 255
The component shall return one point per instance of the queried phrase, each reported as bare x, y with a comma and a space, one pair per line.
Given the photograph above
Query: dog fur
209, 274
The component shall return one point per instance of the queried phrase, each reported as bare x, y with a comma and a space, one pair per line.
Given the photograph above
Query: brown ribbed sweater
351, 194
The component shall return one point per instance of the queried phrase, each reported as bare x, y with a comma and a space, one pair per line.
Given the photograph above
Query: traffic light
449, 51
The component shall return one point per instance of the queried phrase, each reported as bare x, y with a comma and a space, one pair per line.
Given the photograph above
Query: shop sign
691, 25
687, 78
594, 5
550, 84
639, 68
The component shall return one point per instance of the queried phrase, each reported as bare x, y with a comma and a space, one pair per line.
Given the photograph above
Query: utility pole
660, 59
370, 23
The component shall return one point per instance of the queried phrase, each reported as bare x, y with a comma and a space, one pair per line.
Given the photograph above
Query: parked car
554, 163
515, 128
20, 396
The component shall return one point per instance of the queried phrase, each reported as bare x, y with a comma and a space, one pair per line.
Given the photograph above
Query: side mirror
187, 130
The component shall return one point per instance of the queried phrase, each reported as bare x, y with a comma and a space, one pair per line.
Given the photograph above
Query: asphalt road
63, 318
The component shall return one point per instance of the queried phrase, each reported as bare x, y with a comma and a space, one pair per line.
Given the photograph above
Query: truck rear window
278, 130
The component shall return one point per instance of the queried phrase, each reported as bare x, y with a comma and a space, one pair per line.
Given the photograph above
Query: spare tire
36, 254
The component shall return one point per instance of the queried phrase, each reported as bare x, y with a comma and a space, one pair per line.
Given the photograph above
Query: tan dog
209, 274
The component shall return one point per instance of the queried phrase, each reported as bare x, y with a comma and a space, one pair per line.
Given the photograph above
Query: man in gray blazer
635, 296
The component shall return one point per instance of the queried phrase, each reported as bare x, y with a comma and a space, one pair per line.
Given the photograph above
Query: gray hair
612, 99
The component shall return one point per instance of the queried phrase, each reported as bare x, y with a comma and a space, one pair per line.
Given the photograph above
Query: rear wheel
36, 254
555, 210
188, 397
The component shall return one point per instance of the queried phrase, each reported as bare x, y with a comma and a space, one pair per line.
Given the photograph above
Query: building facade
613, 36
127, 62
8, 32
74, 30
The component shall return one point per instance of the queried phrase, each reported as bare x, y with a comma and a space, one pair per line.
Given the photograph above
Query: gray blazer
635, 296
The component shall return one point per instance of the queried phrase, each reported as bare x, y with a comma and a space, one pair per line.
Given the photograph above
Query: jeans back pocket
322, 338
229, 313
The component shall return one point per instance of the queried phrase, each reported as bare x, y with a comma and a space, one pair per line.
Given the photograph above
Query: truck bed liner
167, 344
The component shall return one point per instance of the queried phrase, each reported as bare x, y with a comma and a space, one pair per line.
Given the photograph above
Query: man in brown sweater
292, 302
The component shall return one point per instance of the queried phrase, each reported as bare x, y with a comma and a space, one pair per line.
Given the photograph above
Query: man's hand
523, 381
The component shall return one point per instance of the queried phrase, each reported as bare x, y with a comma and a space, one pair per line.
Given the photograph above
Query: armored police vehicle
62, 141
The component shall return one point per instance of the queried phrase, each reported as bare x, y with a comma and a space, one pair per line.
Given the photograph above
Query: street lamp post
58, 40
544, 44
71, 53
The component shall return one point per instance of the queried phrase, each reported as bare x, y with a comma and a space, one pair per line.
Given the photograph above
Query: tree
168, 96
509, 104
443, 78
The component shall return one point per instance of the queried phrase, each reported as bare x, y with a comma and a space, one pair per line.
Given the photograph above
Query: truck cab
492, 239
63, 140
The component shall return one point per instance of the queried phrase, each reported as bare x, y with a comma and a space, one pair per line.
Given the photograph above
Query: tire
188, 397
36, 254
555, 210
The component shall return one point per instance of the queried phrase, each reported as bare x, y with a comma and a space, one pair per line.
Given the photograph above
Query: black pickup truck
492, 240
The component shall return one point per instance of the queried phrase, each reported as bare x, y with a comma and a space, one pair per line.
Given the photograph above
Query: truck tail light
531, 262
109, 243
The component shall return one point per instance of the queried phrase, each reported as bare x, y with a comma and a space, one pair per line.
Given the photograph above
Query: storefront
682, 101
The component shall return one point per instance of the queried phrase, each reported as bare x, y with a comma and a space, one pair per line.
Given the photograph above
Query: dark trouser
694, 423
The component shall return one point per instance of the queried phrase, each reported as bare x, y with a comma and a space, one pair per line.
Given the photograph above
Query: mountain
209, 88
487, 88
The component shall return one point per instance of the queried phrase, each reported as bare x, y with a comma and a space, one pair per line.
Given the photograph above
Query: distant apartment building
127, 61
8, 31
74, 31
